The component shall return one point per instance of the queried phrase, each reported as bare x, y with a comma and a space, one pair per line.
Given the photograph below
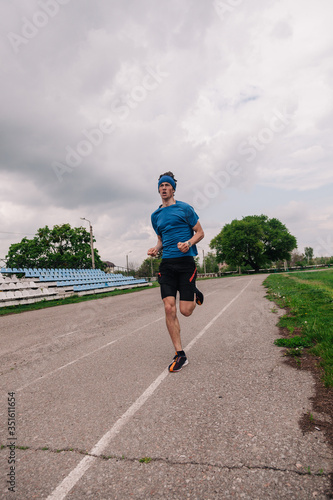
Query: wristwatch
189, 244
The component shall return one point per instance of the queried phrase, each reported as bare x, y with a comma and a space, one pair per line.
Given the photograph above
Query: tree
255, 240
308, 252
297, 259
60, 247
211, 264
147, 266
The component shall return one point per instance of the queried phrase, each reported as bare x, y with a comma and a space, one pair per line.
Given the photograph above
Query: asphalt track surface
93, 397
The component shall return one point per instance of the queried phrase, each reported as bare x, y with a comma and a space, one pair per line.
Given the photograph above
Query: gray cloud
99, 98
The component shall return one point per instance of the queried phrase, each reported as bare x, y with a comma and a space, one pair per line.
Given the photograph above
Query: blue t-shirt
174, 224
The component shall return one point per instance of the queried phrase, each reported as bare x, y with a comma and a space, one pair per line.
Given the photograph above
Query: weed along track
307, 337
308, 298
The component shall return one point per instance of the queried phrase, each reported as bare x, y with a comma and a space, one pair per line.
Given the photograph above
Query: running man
178, 230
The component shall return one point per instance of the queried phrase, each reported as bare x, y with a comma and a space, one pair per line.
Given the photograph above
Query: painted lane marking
75, 475
49, 374
89, 353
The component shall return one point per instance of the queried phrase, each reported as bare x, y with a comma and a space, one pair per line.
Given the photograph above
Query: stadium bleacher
37, 284
15, 291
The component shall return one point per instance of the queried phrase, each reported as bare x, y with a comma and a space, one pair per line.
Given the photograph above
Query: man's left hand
183, 246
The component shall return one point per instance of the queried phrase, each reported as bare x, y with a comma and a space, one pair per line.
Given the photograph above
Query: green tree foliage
296, 259
255, 240
211, 264
308, 252
60, 247
148, 265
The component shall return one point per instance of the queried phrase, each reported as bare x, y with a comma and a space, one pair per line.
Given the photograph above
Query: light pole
152, 266
127, 262
204, 262
91, 242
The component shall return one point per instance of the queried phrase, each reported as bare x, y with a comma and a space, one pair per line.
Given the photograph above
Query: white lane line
71, 333
70, 481
49, 374
79, 330
89, 353
200, 334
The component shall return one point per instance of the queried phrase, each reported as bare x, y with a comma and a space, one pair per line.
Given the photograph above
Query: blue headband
167, 178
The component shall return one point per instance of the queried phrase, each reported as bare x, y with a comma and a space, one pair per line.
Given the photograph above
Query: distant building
109, 266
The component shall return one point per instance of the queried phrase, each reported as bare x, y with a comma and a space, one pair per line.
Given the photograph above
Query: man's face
166, 191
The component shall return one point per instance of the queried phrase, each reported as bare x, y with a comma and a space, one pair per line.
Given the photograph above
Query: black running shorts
178, 274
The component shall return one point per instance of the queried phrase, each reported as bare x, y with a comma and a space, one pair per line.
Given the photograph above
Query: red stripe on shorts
191, 278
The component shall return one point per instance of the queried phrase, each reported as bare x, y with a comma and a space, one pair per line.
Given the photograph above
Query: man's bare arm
154, 250
198, 236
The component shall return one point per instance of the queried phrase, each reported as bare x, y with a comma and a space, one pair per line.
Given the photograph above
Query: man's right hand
153, 251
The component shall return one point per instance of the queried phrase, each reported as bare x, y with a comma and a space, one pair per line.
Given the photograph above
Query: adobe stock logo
31, 27
254, 143
225, 7
249, 149
324, 247
121, 109
220, 180
151, 80
74, 155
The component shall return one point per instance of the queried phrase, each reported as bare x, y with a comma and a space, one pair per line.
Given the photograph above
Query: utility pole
204, 261
91, 242
127, 262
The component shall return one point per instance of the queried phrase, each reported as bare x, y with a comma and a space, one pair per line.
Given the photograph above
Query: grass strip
73, 299
308, 298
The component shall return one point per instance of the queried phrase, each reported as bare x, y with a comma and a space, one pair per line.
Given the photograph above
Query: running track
93, 397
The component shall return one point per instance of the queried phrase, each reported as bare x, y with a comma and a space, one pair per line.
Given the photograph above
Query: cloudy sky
99, 98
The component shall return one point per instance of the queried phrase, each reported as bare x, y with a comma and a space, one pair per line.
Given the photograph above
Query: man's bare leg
186, 307
172, 322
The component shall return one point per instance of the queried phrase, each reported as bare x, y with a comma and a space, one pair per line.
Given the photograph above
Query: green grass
73, 299
296, 342
308, 297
